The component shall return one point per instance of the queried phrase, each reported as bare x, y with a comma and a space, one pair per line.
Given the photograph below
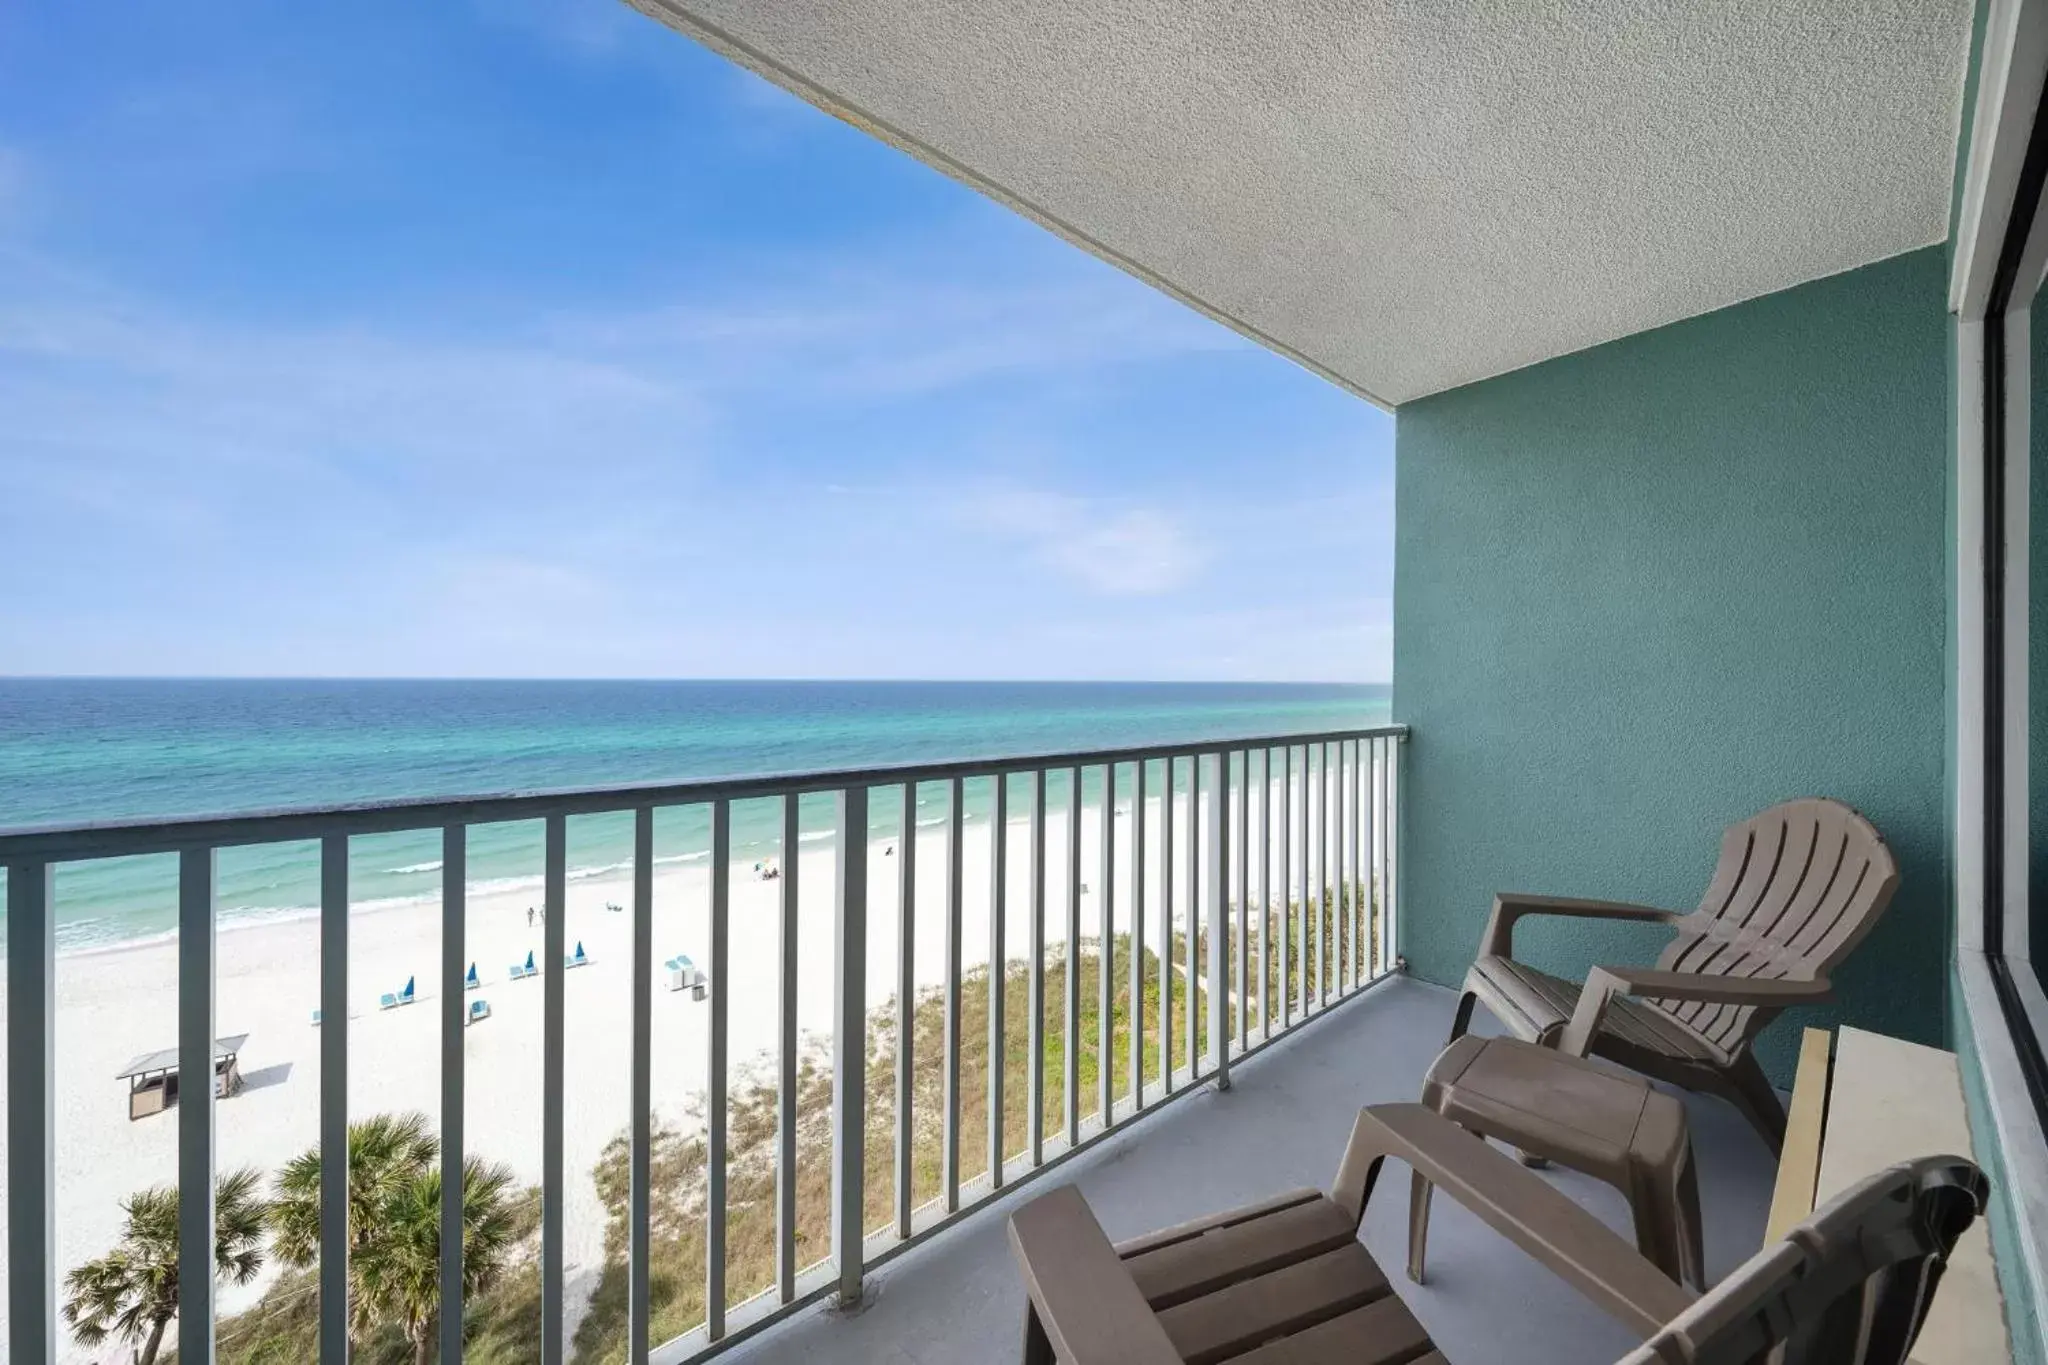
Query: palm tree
399, 1271
131, 1293
385, 1154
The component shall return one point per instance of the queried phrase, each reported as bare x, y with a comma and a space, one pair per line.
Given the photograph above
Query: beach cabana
153, 1077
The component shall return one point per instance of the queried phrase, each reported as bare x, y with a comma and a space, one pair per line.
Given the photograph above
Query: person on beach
529, 917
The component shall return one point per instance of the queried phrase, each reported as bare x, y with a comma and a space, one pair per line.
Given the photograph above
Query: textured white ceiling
1410, 196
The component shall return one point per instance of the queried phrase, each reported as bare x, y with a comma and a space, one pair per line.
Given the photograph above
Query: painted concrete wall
1644, 591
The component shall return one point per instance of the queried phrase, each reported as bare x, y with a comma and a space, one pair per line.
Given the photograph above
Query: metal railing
1288, 870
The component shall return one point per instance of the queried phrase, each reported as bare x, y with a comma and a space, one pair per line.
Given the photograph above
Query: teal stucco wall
1646, 590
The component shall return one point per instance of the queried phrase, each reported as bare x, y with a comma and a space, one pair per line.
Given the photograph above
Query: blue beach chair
392, 1000
518, 971
578, 958
478, 1009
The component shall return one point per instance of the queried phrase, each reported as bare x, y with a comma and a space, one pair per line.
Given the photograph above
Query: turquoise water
76, 751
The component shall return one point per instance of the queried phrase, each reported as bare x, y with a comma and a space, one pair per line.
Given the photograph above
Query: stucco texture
1644, 591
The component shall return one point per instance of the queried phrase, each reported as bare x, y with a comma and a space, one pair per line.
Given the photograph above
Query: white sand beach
115, 1004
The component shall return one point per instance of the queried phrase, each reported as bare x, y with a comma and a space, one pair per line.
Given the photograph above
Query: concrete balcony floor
1281, 1125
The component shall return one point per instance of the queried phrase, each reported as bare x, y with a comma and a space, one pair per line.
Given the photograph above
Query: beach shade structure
1797, 888
153, 1077
472, 981
1287, 1279
578, 958
518, 971
478, 1009
391, 1000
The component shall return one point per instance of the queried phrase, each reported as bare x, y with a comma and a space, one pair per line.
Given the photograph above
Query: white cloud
1109, 550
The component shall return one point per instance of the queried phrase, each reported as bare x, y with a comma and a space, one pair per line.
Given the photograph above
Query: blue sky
531, 339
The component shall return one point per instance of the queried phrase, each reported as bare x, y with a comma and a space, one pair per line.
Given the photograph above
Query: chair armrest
1087, 1302
1520, 1205
1510, 906
1605, 983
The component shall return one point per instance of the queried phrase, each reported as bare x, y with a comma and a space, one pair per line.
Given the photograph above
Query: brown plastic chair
1286, 1282
1795, 891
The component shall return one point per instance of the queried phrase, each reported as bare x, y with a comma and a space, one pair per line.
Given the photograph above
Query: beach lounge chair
577, 958
391, 1000
518, 971
1796, 889
472, 981
1288, 1279
682, 973
478, 1009
316, 1018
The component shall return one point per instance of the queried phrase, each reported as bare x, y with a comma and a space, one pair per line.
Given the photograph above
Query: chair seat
1278, 1283
1537, 1006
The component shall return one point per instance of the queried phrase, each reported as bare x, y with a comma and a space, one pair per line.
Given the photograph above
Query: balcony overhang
1409, 198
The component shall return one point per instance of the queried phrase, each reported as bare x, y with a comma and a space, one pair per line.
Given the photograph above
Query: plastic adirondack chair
478, 1009
1288, 1280
1796, 889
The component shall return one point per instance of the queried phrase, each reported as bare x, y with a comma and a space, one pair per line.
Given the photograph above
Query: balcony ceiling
1408, 197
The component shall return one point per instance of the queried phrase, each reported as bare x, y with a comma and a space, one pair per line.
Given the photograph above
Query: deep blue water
79, 750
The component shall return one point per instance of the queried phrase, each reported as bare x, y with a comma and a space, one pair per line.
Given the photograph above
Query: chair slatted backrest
1797, 888
1849, 1286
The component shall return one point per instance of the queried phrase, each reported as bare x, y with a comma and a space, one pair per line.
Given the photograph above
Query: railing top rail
123, 838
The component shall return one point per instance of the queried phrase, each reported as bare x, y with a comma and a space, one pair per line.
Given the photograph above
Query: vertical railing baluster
1286, 959
1243, 854
998, 970
1166, 963
906, 1000
715, 1080
1393, 834
1070, 1070
196, 879
1373, 820
454, 1007
1347, 851
1315, 764
641, 1136
956, 866
1333, 843
334, 1314
31, 1113
1362, 965
786, 1055
1195, 916
849, 1042
1218, 901
1105, 955
1035, 1083
1307, 823
554, 1217
1266, 892
1138, 935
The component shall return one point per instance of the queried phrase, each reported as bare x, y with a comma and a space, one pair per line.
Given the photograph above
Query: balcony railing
1276, 903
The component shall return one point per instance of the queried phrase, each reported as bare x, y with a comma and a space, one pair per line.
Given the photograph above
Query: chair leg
1462, 1020
1037, 1345
1749, 1090
1419, 1191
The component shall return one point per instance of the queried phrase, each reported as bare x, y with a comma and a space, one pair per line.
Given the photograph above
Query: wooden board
1799, 1166
1891, 1101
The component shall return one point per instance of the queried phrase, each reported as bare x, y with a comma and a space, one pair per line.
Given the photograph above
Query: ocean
93, 750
